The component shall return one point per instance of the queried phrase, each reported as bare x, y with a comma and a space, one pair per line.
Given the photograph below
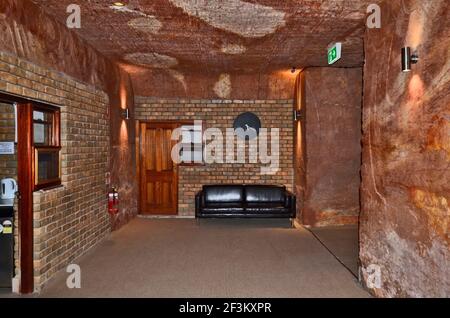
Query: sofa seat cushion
262, 193
269, 207
226, 208
223, 194
223, 211
228, 205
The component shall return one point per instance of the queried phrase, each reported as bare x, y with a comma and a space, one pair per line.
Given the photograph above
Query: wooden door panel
149, 152
159, 181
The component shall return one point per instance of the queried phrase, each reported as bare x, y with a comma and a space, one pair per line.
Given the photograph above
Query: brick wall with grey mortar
221, 114
8, 163
71, 219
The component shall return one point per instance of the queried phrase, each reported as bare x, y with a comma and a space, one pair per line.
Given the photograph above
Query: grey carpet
211, 258
342, 241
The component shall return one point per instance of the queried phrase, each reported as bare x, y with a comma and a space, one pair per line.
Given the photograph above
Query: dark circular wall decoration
249, 123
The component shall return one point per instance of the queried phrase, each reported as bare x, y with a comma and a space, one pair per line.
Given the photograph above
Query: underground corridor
224, 149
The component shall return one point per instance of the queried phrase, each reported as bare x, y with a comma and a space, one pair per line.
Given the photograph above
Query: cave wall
328, 145
204, 85
123, 151
30, 34
299, 146
405, 192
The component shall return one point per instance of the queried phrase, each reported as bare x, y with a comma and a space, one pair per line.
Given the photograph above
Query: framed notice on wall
7, 148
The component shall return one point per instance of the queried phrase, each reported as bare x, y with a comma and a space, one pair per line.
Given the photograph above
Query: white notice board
6, 148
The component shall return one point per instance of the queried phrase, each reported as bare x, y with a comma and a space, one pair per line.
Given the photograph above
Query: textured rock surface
223, 86
233, 48
275, 85
332, 156
250, 20
299, 145
153, 60
276, 35
146, 24
405, 173
123, 151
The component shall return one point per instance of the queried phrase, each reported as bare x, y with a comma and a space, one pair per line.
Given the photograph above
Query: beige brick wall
221, 114
8, 163
68, 220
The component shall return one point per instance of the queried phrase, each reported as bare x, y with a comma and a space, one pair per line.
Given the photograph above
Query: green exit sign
334, 52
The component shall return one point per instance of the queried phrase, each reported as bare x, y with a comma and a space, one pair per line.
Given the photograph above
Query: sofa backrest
264, 193
223, 193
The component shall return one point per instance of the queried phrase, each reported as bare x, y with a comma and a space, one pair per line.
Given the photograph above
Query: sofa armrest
198, 202
290, 200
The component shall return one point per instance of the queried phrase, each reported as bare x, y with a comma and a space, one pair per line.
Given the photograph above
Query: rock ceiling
253, 36
218, 48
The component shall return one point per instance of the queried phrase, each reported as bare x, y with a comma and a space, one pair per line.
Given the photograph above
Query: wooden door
158, 173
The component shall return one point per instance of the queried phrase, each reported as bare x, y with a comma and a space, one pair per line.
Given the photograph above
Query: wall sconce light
298, 115
118, 4
408, 59
126, 113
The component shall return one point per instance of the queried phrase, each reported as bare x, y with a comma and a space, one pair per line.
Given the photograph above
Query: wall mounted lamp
118, 4
126, 113
298, 115
408, 59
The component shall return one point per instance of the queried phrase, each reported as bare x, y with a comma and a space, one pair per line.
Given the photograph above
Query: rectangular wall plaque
6, 148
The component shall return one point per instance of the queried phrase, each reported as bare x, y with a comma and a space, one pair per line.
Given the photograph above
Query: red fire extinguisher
113, 201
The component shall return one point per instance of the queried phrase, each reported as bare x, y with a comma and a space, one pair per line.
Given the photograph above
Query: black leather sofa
261, 201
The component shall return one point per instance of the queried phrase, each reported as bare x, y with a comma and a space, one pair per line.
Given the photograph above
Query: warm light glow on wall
289, 74
410, 111
123, 132
133, 69
123, 106
123, 96
299, 139
415, 29
415, 89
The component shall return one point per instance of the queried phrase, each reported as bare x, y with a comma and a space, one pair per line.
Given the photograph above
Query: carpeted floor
342, 241
210, 258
